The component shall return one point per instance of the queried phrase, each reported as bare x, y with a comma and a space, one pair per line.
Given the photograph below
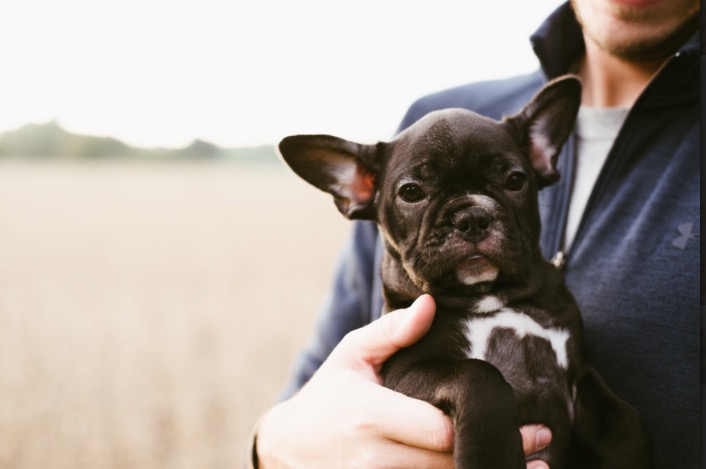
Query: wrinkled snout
473, 222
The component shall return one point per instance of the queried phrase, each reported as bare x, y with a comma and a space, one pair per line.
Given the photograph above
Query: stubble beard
656, 45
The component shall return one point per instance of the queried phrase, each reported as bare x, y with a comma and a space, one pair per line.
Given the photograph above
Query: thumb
372, 345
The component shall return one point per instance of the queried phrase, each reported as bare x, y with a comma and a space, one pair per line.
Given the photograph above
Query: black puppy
455, 197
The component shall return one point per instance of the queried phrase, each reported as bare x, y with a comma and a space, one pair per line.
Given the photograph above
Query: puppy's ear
344, 169
546, 122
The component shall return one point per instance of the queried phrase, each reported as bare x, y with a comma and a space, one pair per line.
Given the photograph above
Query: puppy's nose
473, 221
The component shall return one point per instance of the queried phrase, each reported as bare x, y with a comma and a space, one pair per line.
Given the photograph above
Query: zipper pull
559, 260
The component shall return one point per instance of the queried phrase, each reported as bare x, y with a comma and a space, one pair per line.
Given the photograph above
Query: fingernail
536, 465
542, 438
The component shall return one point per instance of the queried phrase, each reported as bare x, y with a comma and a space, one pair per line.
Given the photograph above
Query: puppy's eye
411, 192
515, 181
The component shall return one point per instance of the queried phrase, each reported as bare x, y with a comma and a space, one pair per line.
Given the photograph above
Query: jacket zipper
562, 256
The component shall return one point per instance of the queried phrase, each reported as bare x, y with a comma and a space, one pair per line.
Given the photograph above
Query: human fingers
537, 464
391, 454
358, 421
535, 438
409, 421
372, 345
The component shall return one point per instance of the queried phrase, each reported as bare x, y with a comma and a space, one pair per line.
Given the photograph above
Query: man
622, 222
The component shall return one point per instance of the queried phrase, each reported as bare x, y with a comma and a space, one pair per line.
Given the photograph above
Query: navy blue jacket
634, 264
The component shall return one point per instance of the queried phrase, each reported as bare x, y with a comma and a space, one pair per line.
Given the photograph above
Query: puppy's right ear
546, 122
344, 169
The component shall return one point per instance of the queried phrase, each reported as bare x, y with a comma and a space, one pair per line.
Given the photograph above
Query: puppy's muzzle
472, 221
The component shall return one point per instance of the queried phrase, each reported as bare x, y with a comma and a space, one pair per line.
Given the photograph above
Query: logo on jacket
686, 234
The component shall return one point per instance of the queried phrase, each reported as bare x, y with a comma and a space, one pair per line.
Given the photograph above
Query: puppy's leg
481, 404
610, 432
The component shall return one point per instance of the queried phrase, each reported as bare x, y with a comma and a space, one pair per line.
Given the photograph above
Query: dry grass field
150, 312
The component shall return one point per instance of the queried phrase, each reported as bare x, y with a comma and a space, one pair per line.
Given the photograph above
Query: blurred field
150, 312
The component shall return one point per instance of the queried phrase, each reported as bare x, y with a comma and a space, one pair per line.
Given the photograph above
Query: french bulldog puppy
455, 199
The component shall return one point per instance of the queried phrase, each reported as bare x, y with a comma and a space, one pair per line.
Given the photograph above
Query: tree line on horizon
51, 140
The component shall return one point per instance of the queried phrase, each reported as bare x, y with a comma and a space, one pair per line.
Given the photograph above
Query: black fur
455, 196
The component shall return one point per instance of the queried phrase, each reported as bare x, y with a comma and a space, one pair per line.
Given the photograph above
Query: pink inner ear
365, 183
356, 184
540, 163
541, 153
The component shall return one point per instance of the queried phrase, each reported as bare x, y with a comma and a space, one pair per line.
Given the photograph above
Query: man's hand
344, 417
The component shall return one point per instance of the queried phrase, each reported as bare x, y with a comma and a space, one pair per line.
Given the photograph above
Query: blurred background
159, 267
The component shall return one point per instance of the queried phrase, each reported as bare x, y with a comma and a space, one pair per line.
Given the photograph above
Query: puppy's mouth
458, 262
476, 269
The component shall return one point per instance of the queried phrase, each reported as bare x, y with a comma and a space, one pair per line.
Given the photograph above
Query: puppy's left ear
546, 122
344, 169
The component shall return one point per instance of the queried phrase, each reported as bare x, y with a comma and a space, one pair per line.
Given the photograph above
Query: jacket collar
558, 41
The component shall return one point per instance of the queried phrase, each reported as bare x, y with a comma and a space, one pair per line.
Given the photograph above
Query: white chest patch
489, 304
479, 330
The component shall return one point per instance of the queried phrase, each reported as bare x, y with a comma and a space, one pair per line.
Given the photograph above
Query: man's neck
609, 81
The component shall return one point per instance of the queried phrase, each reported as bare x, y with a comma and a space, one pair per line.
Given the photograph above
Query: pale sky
238, 73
